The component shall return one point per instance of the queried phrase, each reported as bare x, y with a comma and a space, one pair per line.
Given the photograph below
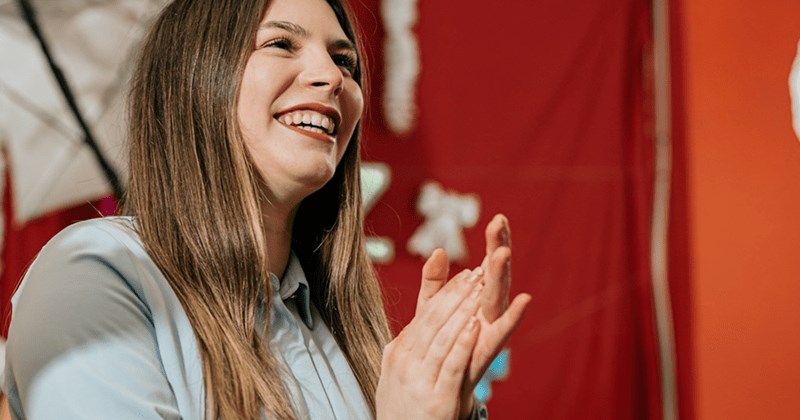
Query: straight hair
195, 196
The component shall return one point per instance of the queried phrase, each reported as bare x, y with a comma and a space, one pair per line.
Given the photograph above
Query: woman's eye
281, 43
346, 62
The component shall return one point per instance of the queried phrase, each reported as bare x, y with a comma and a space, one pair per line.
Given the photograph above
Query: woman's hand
496, 317
423, 368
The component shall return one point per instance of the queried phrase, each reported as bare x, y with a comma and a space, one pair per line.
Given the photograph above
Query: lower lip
314, 135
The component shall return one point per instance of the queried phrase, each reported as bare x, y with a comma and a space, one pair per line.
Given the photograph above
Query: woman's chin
310, 182
293, 182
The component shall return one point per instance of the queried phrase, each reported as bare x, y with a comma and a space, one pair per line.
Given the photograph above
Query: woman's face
298, 104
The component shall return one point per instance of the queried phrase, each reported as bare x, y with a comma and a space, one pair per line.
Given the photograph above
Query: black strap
111, 175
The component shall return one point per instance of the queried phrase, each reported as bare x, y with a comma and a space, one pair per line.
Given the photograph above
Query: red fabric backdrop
538, 107
541, 109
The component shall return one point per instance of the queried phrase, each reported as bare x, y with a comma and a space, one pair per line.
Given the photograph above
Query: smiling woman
299, 103
238, 285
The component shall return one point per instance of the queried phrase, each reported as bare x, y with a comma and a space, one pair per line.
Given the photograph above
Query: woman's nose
322, 73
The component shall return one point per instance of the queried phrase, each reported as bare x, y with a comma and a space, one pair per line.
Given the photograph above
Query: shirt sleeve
479, 411
82, 342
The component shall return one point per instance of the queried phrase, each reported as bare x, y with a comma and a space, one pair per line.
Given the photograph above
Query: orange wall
744, 198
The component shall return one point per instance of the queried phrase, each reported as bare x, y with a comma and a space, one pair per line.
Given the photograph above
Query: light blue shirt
97, 332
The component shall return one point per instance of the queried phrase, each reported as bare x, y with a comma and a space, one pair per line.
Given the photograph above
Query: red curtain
544, 110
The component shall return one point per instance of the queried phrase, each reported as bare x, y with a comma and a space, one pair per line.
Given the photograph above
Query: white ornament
794, 92
447, 213
375, 179
401, 64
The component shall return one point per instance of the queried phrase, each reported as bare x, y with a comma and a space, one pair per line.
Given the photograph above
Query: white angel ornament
447, 213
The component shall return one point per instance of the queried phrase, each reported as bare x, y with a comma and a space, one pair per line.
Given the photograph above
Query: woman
239, 287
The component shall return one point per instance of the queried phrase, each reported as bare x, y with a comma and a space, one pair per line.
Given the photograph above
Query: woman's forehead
304, 18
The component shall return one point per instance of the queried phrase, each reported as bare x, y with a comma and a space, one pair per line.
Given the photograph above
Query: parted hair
196, 199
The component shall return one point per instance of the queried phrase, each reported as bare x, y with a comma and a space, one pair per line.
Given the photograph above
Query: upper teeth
308, 118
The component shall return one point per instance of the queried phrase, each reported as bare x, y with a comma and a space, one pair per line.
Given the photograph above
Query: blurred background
643, 151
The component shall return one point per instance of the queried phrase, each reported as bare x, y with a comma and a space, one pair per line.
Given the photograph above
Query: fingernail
476, 292
466, 275
476, 274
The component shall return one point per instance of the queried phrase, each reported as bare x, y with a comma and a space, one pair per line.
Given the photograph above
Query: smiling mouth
308, 120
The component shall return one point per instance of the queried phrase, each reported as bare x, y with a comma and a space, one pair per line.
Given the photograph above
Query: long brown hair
192, 183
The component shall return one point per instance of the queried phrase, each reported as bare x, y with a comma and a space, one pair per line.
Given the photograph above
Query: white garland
402, 64
794, 91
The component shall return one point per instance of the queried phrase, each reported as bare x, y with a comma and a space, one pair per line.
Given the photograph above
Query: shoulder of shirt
110, 241
110, 224
106, 235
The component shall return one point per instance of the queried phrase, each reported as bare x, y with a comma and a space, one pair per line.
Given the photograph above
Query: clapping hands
432, 367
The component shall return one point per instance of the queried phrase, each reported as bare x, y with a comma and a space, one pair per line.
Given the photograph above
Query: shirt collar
294, 286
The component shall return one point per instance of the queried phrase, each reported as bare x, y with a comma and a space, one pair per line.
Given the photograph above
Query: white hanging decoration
375, 180
401, 64
446, 213
794, 91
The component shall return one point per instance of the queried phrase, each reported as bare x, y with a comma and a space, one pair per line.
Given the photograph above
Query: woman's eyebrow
295, 29
344, 44
290, 27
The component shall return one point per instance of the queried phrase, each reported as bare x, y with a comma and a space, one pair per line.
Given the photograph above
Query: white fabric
794, 90
92, 42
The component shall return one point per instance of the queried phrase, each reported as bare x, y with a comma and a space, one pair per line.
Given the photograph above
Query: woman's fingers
507, 323
504, 326
493, 337
435, 309
451, 373
498, 267
408, 388
494, 299
442, 343
440, 309
497, 233
419, 351
434, 277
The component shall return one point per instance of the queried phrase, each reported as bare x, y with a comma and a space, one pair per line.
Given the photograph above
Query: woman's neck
278, 224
